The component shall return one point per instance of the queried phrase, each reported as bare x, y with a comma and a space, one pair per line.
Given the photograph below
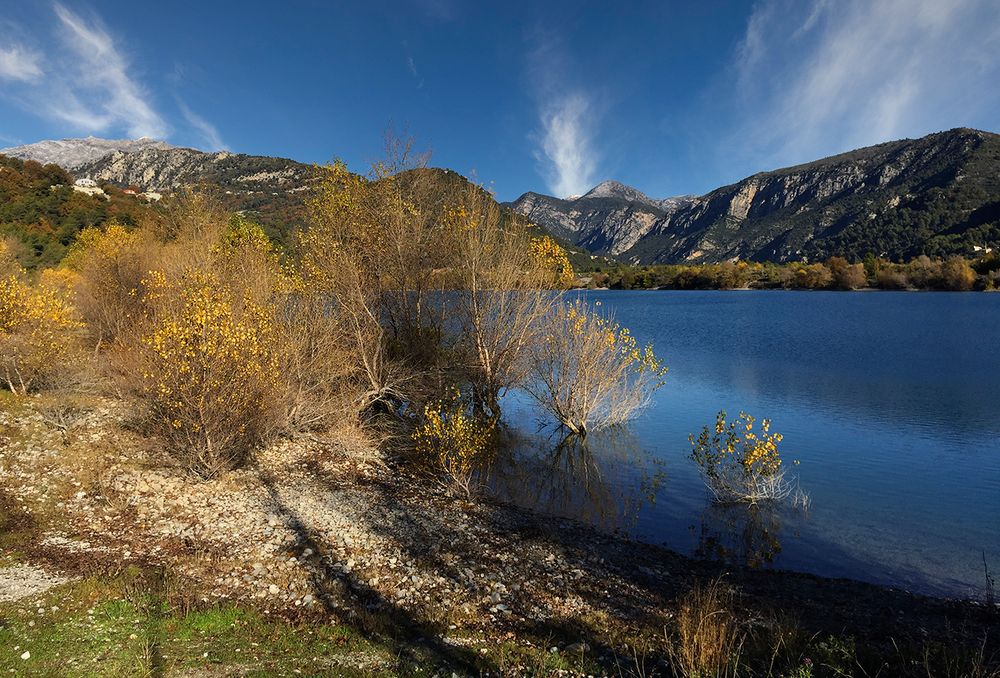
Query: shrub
38, 333
205, 367
737, 463
891, 279
111, 264
589, 371
957, 275
846, 276
709, 637
455, 439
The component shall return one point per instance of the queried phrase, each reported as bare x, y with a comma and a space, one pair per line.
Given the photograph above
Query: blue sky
671, 98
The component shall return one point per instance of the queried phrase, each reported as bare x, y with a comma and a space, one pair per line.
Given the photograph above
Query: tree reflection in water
740, 534
578, 477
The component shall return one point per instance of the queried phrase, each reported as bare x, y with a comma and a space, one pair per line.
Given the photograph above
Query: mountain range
936, 195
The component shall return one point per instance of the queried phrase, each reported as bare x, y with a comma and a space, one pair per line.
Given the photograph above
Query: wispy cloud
101, 76
567, 144
84, 79
19, 63
209, 134
813, 78
411, 65
567, 116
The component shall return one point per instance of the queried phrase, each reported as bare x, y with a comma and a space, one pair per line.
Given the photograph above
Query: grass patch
97, 627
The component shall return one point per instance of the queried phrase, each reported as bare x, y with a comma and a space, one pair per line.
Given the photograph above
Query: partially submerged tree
589, 371
504, 279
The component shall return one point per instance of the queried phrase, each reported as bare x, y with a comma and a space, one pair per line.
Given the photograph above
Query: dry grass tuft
709, 636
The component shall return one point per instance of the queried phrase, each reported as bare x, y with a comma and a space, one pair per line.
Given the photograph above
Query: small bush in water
738, 463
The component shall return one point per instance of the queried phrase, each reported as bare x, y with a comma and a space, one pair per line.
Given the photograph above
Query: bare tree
589, 372
501, 294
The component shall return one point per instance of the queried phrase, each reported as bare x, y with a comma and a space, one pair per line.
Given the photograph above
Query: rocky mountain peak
72, 153
936, 195
616, 189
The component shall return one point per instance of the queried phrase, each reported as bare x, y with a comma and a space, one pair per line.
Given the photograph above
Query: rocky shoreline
336, 529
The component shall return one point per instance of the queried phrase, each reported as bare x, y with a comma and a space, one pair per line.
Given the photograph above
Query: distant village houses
89, 187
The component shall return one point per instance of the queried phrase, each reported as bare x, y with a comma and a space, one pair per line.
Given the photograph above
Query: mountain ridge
70, 153
938, 194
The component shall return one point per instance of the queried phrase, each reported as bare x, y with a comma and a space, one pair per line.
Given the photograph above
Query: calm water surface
890, 402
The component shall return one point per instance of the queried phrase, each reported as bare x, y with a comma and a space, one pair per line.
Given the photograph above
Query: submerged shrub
205, 367
455, 439
589, 371
38, 333
739, 464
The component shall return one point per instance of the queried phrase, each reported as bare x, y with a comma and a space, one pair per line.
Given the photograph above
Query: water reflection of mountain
603, 479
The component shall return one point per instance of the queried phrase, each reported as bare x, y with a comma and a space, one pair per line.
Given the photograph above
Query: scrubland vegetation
956, 274
389, 312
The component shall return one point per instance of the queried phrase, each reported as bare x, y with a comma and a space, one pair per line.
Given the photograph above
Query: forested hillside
40, 213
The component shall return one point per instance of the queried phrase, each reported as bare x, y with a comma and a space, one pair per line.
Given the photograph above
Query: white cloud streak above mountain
813, 78
209, 134
100, 80
567, 116
19, 63
85, 80
567, 144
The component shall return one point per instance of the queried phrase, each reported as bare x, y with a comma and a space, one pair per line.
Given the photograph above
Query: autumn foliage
738, 462
589, 371
38, 333
398, 303
209, 372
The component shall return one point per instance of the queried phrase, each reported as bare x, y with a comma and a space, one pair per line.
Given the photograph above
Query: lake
889, 401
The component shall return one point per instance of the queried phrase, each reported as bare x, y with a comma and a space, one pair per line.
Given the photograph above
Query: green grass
108, 628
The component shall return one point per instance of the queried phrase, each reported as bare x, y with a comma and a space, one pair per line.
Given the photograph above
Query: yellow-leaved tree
38, 333
589, 371
504, 280
206, 370
110, 263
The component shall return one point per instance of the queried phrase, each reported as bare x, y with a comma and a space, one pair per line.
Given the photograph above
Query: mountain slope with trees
938, 195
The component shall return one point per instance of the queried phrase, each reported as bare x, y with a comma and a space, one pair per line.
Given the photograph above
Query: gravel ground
336, 529
23, 581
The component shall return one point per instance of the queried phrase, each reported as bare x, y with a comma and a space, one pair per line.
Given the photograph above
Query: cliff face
166, 170
609, 219
935, 195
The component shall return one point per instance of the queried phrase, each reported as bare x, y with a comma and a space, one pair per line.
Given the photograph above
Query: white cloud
19, 63
815, 78
209, 134
567, 115
101, 74
567, 144
86, 81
